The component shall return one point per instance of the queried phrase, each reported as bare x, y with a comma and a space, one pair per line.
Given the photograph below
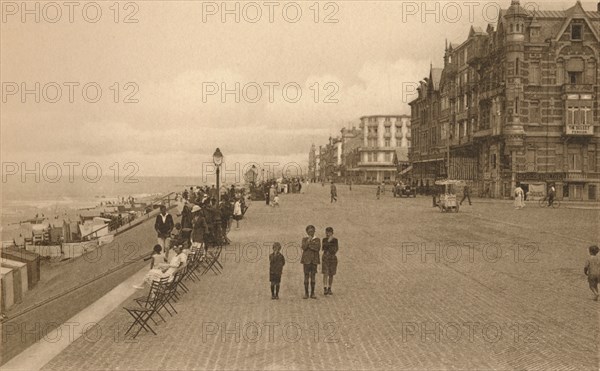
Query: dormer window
576, 32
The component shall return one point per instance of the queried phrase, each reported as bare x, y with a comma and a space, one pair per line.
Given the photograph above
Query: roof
436, 77
546, 14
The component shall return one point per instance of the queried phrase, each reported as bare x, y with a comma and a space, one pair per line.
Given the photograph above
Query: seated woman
164, 270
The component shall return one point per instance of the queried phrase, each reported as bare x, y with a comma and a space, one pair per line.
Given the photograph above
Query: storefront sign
537, 191
580, 130
543, 177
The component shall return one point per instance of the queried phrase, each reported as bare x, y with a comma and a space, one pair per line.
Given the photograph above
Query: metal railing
138, 220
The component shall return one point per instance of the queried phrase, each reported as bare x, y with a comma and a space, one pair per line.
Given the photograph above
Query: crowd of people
203, 222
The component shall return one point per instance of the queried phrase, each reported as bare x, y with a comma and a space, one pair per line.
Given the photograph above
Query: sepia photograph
300, 185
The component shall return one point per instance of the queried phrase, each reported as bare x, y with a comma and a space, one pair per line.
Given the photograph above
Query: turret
514, 19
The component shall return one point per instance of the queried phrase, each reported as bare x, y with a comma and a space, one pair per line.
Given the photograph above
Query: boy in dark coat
329, 267
311, 246
276, 263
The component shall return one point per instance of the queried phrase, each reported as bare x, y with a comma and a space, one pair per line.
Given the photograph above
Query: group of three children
311, 247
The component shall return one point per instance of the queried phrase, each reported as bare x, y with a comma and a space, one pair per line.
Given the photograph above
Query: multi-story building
330, 160
351, 142
518, 103
385, 143
312, 164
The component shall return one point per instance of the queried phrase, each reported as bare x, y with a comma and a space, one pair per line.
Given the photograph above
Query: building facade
385, 143
518, 103
312, 164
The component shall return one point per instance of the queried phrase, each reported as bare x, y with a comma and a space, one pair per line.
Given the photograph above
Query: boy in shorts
276, 263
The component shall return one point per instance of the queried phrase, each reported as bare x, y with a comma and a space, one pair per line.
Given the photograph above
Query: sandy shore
13, 220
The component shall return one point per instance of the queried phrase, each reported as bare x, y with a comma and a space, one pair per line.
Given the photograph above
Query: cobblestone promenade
488, 288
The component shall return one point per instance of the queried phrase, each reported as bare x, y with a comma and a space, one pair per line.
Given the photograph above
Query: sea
23, 200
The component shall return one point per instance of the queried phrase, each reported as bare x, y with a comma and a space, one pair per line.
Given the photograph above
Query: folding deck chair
143, 313
212, 261
163, 286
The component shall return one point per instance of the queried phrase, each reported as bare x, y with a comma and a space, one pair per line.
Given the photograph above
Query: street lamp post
218, 160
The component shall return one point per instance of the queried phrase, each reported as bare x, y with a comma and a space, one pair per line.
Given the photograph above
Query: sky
163, 83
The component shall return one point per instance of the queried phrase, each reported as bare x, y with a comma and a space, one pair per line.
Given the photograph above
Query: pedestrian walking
199, 229
378, 191
382, 188
350, 185
466, 195
551, 195
186, 221
311, 246
519, 197
272, 193
276, 263
592, 270
237, 212
329, 266
164, 226
333, 192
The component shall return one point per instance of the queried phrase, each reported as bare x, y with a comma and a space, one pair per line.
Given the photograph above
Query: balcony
464, 140
581, 176
461, 116
483, 133
578, 89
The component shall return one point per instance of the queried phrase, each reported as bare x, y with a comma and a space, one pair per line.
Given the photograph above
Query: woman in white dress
165, 270
237, 212
519, 197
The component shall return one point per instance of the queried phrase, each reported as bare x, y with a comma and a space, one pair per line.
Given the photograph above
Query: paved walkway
488, 288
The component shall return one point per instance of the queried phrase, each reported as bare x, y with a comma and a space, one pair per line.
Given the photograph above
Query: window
534, 73
387, 130
517, 67
534, 112
579, 115
387, 143
493, 161
388, 157
575, 78
576, 32
574, 161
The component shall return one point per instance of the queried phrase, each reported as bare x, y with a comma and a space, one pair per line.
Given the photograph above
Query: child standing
592, 270
276, 263
330, 262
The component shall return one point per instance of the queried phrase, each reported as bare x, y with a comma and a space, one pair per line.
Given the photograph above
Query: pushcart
447, 201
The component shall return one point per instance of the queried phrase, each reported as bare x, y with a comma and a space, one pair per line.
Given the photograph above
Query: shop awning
406, 170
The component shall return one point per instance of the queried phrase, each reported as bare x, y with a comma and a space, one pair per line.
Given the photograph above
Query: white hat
196, 208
